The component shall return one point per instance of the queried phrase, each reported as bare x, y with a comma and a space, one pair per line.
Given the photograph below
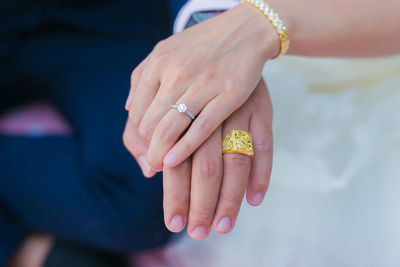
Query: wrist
267, 42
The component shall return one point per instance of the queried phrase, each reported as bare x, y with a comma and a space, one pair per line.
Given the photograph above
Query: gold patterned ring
238, 142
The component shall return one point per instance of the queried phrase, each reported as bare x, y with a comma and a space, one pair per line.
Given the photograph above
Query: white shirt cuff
194, 6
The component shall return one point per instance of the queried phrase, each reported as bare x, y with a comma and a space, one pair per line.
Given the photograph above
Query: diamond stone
181, 107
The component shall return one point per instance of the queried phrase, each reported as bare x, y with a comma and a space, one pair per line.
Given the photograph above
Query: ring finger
161, 105
174, 123
235, 177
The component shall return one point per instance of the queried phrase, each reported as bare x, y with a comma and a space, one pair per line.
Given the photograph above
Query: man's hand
207, 189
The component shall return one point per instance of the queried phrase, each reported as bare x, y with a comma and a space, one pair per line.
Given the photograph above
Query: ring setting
182, 108
238, 142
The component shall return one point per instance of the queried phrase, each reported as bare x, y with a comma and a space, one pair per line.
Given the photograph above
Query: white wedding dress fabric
334, 198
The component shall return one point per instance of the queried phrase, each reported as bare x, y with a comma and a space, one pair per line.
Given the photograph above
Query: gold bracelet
275, 20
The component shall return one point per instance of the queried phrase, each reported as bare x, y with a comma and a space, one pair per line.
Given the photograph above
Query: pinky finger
262, 162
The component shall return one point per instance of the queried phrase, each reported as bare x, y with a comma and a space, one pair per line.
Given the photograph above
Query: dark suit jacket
19, 16
175, 6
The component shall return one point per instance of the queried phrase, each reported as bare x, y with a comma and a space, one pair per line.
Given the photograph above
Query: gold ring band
238, 142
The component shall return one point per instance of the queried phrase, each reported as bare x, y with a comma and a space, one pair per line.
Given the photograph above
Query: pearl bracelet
275, 20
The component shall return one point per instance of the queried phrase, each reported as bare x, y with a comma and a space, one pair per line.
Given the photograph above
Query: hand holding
212, 67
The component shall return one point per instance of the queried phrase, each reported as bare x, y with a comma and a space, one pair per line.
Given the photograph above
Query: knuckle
145, 132
232, 84
165, 132
154, 160
201, 213
211, 76
185, 167
209, 169
231, 200
136, 73
179, 75
134, 116
233, 88
154, 66
263, 147
179, 200
190, 61
206, 126
156, 62
238, 160
206, 77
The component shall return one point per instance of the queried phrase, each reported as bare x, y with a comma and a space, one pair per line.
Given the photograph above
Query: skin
187, 67
191, 77
209, 187
33, 251
214, 68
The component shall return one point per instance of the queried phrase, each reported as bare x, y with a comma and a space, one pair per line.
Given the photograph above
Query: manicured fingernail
170, 160
199, 232
144, 165
176, 224
129, 100
257, 199
225, 224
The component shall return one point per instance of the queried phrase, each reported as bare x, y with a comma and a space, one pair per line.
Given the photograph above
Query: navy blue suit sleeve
175, 6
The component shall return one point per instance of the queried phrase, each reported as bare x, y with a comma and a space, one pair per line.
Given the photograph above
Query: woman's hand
207, 190
212, 67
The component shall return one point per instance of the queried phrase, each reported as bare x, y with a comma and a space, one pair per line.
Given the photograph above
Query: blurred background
334, 195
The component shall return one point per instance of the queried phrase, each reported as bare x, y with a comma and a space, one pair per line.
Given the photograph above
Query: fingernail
144, 165
199, 232
157, 170
170, 160
225, 224
129, 100
176, 224
257, 199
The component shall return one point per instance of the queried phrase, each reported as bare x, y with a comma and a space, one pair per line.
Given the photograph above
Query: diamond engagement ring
182, 108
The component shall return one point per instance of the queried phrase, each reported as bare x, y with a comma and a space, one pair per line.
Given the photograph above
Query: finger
235, 176
261, 129
205, 186
176, 183
146, 90
137, 147
178, 79
135, 78
154, 113
172, 126
214, 113
170, 93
